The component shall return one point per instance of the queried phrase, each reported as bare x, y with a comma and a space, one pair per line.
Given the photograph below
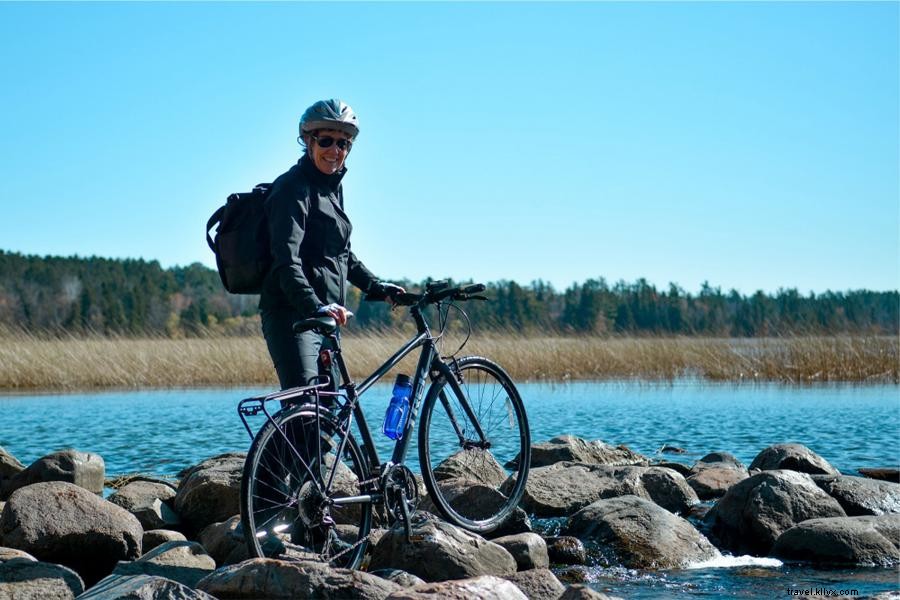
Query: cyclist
310, 243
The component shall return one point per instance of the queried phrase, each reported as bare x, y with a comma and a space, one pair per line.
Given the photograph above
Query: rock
583, 592
440, 551
860, 496
149, 502
11, 553
485, 587
223, 544
843, 541
184, 562
538, 584
155, 537
641, 534
563, 488
63, 523
210, 492
275, 579
24, 579
477, 500
792, 457
472, 465
882, 474
568, 448
683, 469
754, 512
83, 469
719, 460
667, 449
142, 587
566, 550
401, 578
9, 468
528, 549
713, 482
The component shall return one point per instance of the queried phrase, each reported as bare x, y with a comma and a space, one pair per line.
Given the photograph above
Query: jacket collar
317, 177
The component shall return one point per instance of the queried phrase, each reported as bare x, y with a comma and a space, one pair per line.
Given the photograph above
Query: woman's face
328, 159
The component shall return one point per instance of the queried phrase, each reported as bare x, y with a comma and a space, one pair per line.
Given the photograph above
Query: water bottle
398, 409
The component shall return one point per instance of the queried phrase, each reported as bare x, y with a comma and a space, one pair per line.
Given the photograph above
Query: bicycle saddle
323, 325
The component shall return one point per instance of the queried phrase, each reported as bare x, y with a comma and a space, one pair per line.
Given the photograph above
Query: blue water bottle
398, 409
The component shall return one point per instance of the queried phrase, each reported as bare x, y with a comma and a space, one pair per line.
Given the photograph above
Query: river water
163, 431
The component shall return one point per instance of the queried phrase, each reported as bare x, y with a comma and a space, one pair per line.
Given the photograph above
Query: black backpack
242, 241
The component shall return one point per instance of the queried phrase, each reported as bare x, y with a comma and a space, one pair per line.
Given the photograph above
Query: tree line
137, 297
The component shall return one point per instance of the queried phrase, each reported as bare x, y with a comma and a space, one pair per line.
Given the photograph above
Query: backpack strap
213, 220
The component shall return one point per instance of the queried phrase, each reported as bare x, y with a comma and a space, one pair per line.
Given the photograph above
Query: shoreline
31, 364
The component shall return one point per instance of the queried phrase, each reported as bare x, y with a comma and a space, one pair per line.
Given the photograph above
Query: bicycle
309, 490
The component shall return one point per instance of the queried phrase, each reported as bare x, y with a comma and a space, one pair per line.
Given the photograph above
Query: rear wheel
474, 445
291, 488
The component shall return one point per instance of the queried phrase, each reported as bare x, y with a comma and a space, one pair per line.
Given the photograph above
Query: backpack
242, 241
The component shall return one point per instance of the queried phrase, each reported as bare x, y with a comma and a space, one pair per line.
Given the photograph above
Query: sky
750, 145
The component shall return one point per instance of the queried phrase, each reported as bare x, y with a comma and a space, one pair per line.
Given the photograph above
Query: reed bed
30, 363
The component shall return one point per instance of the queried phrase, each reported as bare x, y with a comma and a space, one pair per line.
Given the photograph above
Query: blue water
164, 431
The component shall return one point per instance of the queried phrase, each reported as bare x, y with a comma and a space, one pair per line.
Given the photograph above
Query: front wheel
474, 445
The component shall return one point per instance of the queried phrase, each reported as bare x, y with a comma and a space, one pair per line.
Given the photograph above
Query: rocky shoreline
159, 539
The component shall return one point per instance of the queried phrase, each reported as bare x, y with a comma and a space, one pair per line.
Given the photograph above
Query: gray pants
295, 355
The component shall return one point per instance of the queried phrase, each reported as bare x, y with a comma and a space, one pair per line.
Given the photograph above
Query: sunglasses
326, 141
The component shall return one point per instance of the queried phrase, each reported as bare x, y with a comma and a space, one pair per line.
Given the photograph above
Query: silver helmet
330, 114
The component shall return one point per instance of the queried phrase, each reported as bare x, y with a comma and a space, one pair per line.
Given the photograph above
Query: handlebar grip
474, 288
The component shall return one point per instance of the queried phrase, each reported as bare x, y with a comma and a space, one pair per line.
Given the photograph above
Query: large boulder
538, 584
224, 543
881, 473
528, 549
149, 501
566, 550
754, 512
156, 537
210, 492
569, 448
479, 501
141, 587
863, 541
472, 465
563, 488
639, 534
440, 551
718, 460
860, 496
485, 587
713, 482
184, 562
84, 469
792, 457
9, 468
275, 579
63, 523
23, 579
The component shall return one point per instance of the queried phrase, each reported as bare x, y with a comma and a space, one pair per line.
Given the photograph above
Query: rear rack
251, 407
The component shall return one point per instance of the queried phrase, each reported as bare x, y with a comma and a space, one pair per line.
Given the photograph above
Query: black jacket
310, 241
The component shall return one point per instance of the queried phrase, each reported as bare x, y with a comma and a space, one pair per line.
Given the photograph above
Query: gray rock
149, 502
863, 541
713, 482
538, 584
479, 501
881, 474
440, 551
640, 534
223, 544
570, 448
472, 465
859, 496
11, 553
398, 576
793, 457
155, 537
719, 460
563, 488
275, 579
83, 469
566, 550
9, 468
485, 587
210, 492
528, 549
184, 562
683, 469
754, 512
24, 579
142, 587
63, 523
582, 592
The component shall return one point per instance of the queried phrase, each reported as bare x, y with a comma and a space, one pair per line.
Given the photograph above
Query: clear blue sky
751, 145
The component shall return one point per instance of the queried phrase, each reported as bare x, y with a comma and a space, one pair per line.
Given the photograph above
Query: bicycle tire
282, 503
444, 455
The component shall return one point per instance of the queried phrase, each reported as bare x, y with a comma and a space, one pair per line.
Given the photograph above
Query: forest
132, 297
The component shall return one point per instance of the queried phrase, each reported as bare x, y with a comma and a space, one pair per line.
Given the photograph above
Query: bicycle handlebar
435, 292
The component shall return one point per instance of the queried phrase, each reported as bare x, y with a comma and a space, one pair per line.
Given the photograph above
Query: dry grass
31, 363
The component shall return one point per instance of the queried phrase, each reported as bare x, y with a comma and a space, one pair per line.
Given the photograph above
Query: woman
310, 242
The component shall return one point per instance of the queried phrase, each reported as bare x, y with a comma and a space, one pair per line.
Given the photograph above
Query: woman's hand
390, 290
337, 312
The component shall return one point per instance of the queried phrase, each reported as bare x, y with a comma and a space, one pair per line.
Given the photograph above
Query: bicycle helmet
329, 114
